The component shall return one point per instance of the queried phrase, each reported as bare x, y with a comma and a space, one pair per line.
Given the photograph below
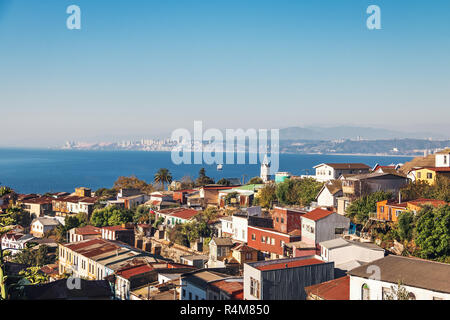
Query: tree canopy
203, 179
433, 233
111, 216
132, 182
298, 191
361, 208
162, 177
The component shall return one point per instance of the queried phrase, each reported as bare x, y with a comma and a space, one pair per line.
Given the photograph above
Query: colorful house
390, 211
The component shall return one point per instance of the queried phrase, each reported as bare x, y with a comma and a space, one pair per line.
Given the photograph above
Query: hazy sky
144, 68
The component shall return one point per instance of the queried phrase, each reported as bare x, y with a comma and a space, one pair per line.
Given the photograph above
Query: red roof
229, 286
134, 271
439, 169
185, 214
337, 289
317, 214
88, 230
288, 264
432, 202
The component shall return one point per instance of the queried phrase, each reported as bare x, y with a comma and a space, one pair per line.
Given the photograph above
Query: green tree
405, 226
111, 216
5, 190
104, 193
132, 182
299, 191
16, 216
433, 233
361, 208
34, 257
267, 196
142, 214
163, 176
256, 180
203, 179
34, 275
224, 182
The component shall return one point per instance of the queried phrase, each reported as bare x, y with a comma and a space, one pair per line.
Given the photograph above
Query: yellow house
429, 174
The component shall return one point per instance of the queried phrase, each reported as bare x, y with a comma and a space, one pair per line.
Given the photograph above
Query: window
382, 209
273, 241
365, 292
338, 230
282, 220
429, 175
419, 175
253, 236
263, 239
277, 219
445, 159
254, 287
190, 295
398, 212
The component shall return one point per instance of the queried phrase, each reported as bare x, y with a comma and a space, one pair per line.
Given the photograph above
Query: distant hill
350, 132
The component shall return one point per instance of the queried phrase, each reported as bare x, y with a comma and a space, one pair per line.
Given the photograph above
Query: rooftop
337, 289
285, 263
412, 272
317, 214
345, 166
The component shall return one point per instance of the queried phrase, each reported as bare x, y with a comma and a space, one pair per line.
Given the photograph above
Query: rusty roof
337, 289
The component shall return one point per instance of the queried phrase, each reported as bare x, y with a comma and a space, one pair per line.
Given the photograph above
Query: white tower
265, 170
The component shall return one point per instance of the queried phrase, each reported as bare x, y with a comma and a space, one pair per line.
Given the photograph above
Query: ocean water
40, 171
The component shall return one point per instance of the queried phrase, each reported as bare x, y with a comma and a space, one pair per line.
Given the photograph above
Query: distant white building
331, 171
442, 159
265, 170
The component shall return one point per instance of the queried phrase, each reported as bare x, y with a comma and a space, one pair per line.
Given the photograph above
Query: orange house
390, 211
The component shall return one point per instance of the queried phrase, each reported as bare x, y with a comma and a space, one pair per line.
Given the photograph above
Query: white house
226, 226
331, 171
442, 159
321, 225
348, 254
240, 227
423, 279
330, 192
174, 216
40, 226
195, 284
15, 241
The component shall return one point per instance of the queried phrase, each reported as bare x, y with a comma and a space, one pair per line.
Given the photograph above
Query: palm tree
163, 176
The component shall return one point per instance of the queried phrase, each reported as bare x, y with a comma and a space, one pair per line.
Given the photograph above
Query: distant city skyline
142, 69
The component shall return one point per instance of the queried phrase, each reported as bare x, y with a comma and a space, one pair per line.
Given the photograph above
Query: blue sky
144, 68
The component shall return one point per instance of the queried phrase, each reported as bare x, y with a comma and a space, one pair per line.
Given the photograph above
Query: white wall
240, 227
325, 198
375, 289
190, 288
442, 160
250, 272
227, 226
352, 252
